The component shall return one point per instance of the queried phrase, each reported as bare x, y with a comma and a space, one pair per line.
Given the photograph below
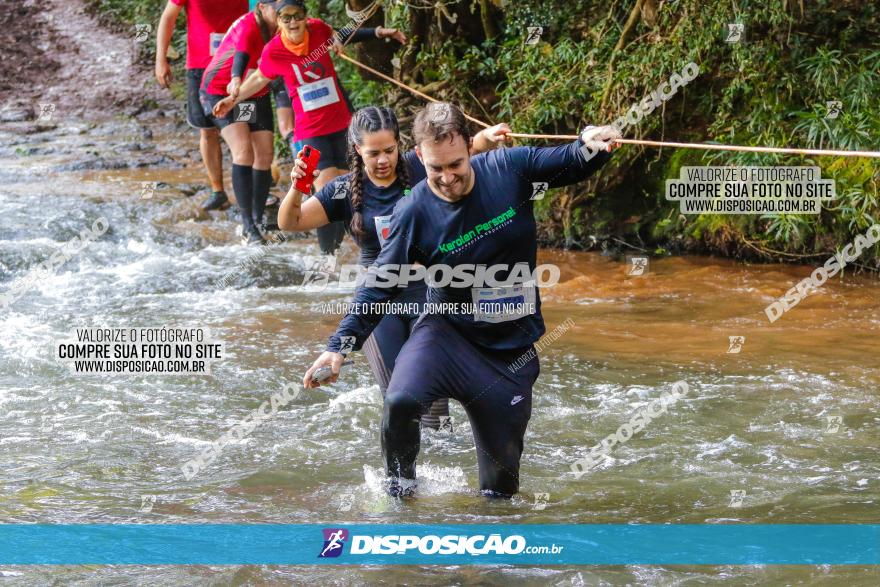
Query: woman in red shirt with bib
300, 55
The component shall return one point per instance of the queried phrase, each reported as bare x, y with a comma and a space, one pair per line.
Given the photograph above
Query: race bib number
318, 94
383, 228
216, 39
503, 304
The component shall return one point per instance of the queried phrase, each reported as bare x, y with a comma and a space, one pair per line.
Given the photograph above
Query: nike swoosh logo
516, 400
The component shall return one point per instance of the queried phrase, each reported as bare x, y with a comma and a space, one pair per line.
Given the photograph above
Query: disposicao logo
334, 540
432, 544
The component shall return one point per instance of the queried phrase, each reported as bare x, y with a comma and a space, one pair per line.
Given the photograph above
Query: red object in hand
311, 156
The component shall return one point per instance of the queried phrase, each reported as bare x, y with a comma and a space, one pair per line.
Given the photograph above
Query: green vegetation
770, 89
596, 58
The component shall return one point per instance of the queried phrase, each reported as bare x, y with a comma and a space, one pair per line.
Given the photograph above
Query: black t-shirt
493, 225
378, 204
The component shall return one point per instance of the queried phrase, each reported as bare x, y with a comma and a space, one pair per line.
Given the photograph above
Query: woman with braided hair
364, 200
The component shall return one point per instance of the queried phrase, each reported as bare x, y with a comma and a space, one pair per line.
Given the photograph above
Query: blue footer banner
358, 544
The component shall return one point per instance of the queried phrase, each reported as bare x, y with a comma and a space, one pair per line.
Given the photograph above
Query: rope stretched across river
705, 146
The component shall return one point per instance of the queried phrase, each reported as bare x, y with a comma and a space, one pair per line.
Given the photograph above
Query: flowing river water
790, 423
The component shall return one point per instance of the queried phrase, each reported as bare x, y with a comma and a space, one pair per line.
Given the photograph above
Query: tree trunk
377, 53
427, 29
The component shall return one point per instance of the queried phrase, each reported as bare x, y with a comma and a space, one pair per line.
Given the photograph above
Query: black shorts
333, 148
195, 116
279, 90
259, 117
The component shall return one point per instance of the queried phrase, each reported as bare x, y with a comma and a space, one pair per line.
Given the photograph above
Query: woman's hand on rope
337, 47
386, 33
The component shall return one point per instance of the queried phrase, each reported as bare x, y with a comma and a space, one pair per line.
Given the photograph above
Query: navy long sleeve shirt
493, 224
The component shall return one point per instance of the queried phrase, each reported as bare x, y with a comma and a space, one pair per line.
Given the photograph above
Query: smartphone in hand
311, 156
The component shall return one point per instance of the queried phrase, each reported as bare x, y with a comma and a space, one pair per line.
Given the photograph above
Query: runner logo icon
534, 34
346, 344
539, 188
246, 112
334, 540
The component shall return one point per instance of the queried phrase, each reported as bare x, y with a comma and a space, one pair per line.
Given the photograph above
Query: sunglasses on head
286, 18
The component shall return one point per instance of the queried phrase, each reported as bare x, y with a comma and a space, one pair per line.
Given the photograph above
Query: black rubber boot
252, 236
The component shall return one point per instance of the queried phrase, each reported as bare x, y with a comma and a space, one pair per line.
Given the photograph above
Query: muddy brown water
88, 449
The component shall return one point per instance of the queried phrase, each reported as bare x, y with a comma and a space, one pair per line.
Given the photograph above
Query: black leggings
438, 362
385, 343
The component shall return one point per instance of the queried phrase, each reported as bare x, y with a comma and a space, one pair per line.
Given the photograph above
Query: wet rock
151, 115
191, 189
15, 115
182, 211
133, 147
181, 152
28, 151
156, 161
90, 165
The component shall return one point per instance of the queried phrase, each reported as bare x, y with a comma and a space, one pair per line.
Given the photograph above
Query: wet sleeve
382, 284
349, 35
556, 166
335, 208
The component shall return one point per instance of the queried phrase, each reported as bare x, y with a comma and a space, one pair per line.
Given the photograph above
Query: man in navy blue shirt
471, 212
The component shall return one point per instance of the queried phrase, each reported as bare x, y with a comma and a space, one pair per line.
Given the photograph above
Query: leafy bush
770, 89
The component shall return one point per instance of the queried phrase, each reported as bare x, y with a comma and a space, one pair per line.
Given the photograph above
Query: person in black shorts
248, 129
207, 21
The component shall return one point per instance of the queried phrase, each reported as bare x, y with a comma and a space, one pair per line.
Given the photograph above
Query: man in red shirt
206, 23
